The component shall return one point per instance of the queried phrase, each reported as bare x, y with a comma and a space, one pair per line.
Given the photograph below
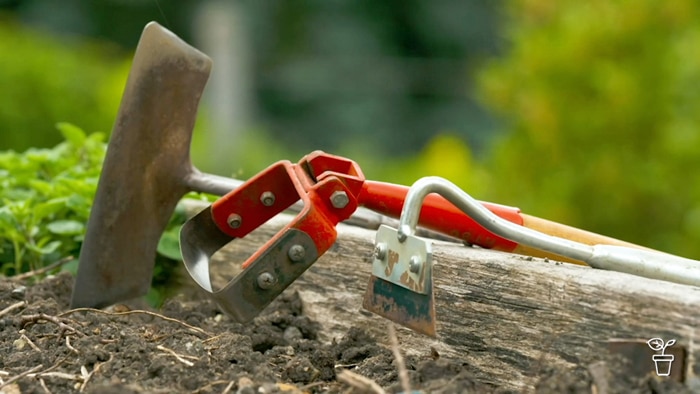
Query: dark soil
190, 346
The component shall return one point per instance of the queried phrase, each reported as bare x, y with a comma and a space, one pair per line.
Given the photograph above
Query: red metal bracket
327, 187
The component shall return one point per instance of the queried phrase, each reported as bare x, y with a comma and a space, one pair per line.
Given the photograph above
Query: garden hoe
146, 170
401, 288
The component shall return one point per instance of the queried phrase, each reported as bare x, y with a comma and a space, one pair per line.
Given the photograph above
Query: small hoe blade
401, 286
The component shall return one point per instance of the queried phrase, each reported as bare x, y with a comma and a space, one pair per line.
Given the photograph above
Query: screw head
414, 264
339, 199
267, 198
266, 280
234, 220
296, 253
380, 251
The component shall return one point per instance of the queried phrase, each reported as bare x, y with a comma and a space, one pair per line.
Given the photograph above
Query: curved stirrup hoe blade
146, 171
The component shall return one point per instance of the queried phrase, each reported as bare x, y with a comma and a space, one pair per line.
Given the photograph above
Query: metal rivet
380, 251
267, 198
296, 253
266, 280
234, 220
414, 264
339, 199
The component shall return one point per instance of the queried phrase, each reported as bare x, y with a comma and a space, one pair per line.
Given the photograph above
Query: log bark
505, 316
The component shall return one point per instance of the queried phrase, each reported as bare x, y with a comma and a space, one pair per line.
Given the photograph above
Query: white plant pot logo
662, 361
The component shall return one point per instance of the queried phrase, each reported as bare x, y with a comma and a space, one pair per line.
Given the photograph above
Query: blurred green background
587, 113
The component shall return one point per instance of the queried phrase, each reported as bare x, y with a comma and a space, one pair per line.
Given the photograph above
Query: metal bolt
234, 220
296, 253
380, 251
339, 199
414, 264
267, 198
266, 280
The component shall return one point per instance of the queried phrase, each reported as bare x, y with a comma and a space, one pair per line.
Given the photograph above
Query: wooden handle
567, 232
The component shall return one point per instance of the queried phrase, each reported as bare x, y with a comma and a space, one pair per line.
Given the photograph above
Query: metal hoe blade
246, 295
146, 169
401, 285
199, 240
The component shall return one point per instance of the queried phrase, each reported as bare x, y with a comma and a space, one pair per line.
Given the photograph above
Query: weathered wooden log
506, 316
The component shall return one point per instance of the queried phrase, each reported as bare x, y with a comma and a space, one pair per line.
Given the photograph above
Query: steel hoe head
401, 285
146, 171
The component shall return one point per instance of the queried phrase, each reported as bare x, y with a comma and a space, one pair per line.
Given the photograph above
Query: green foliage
45, 200
45, 197
603, 104
45, 79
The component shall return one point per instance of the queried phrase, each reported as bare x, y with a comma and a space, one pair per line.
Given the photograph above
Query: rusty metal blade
145, 170
401, 285
401, 305
243, 297
200, 238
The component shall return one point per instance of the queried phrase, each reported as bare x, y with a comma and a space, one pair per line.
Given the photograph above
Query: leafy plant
45, 200
46, 196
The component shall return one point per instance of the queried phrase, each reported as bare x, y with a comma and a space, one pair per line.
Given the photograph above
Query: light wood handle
567, 232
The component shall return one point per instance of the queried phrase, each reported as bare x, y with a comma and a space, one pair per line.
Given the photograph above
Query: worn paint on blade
400, 288
401, 305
